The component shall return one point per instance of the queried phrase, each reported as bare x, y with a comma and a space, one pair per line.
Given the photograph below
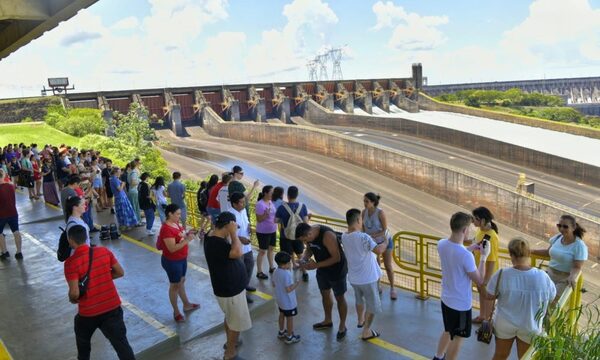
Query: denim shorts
175, 269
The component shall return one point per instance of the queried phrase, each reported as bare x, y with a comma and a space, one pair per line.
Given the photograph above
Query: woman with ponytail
266, 230
567, 252
483, 219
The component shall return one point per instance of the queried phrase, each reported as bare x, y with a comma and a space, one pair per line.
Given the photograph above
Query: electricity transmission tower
322, 61
312, 70
336, 58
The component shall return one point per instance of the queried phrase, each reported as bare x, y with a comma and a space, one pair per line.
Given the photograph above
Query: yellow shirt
493, 242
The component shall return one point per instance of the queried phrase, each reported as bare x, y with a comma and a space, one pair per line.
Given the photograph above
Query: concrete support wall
533, 159
259, 113
468, 190
175, 120
427, 103
283, 111
405, 103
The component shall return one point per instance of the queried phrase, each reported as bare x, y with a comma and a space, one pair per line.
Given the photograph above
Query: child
285, 293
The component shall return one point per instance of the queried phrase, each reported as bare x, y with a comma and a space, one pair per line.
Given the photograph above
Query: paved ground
570, 193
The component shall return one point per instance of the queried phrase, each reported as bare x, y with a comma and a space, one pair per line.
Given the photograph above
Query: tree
133, 127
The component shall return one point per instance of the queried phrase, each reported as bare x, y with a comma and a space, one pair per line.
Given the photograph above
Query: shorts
13, 223
289, 313
390, 245
339, 286
175, 269
457, 323
368, 295
503, 329
291, 246
560, 279
266, 240
237, 315
213, 212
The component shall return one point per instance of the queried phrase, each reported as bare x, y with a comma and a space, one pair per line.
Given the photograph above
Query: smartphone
485, 238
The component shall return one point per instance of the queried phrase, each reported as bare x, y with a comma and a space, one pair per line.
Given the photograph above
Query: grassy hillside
38, 133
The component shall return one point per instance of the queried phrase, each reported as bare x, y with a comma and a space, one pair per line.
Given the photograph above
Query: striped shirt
101, 295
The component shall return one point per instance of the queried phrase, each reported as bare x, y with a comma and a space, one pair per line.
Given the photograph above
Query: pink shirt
268, 225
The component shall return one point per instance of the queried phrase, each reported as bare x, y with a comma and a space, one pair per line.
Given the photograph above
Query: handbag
83, 282
486, 331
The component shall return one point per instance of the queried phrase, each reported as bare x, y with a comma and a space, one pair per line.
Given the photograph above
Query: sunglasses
563, 226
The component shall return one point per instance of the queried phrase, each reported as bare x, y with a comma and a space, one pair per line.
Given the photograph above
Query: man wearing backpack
99, 306
288, 216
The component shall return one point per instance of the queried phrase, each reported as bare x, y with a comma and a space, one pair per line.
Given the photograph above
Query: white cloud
411, 31
128, 23
556, 33
285, 51
176, 22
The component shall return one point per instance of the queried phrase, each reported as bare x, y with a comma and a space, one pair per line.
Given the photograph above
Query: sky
129, 44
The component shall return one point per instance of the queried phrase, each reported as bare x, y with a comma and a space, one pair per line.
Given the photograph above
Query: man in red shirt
8, 216
100, 306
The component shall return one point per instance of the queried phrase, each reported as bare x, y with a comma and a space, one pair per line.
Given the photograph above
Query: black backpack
114, 232
64, 250
202, 198
104, 233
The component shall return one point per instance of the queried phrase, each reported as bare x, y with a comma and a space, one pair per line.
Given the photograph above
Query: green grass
38, 133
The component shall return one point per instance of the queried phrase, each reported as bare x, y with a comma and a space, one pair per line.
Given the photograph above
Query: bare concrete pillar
175, 119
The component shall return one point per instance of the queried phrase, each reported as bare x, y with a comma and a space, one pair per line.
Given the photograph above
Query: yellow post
422, 295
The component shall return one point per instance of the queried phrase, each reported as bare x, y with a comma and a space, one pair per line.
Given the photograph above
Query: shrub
76, 122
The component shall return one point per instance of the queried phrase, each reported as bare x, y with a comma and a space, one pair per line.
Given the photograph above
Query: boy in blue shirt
285, 294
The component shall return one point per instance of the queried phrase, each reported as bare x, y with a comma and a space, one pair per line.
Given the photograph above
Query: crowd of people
82, 180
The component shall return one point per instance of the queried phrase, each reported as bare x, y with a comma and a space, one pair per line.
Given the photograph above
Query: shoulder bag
486, 331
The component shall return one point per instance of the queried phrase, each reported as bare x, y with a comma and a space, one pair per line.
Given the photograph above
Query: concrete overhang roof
24, 20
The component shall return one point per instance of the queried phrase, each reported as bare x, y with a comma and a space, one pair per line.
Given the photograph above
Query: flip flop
179, 318
374, 334
194, 307
360, 326
393, 294
321, 326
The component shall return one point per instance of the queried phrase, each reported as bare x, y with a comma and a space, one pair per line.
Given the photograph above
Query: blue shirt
176, 191
562, 256
282, 278
284, 216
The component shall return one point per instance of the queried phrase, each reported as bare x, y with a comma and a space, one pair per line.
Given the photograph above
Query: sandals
261, 276
477, 320
341, 335
179, 318
360, 326
194, 307
322, 326
374, 334
393, 294
271, 270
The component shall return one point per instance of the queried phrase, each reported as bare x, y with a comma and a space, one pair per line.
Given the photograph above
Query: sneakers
281, 335
292, 339
5, 255
19, 256
150, 232
305, 277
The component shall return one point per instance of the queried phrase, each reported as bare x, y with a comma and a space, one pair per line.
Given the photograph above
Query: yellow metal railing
568, 303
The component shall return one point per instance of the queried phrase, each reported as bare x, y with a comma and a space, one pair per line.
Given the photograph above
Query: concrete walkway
35, 306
